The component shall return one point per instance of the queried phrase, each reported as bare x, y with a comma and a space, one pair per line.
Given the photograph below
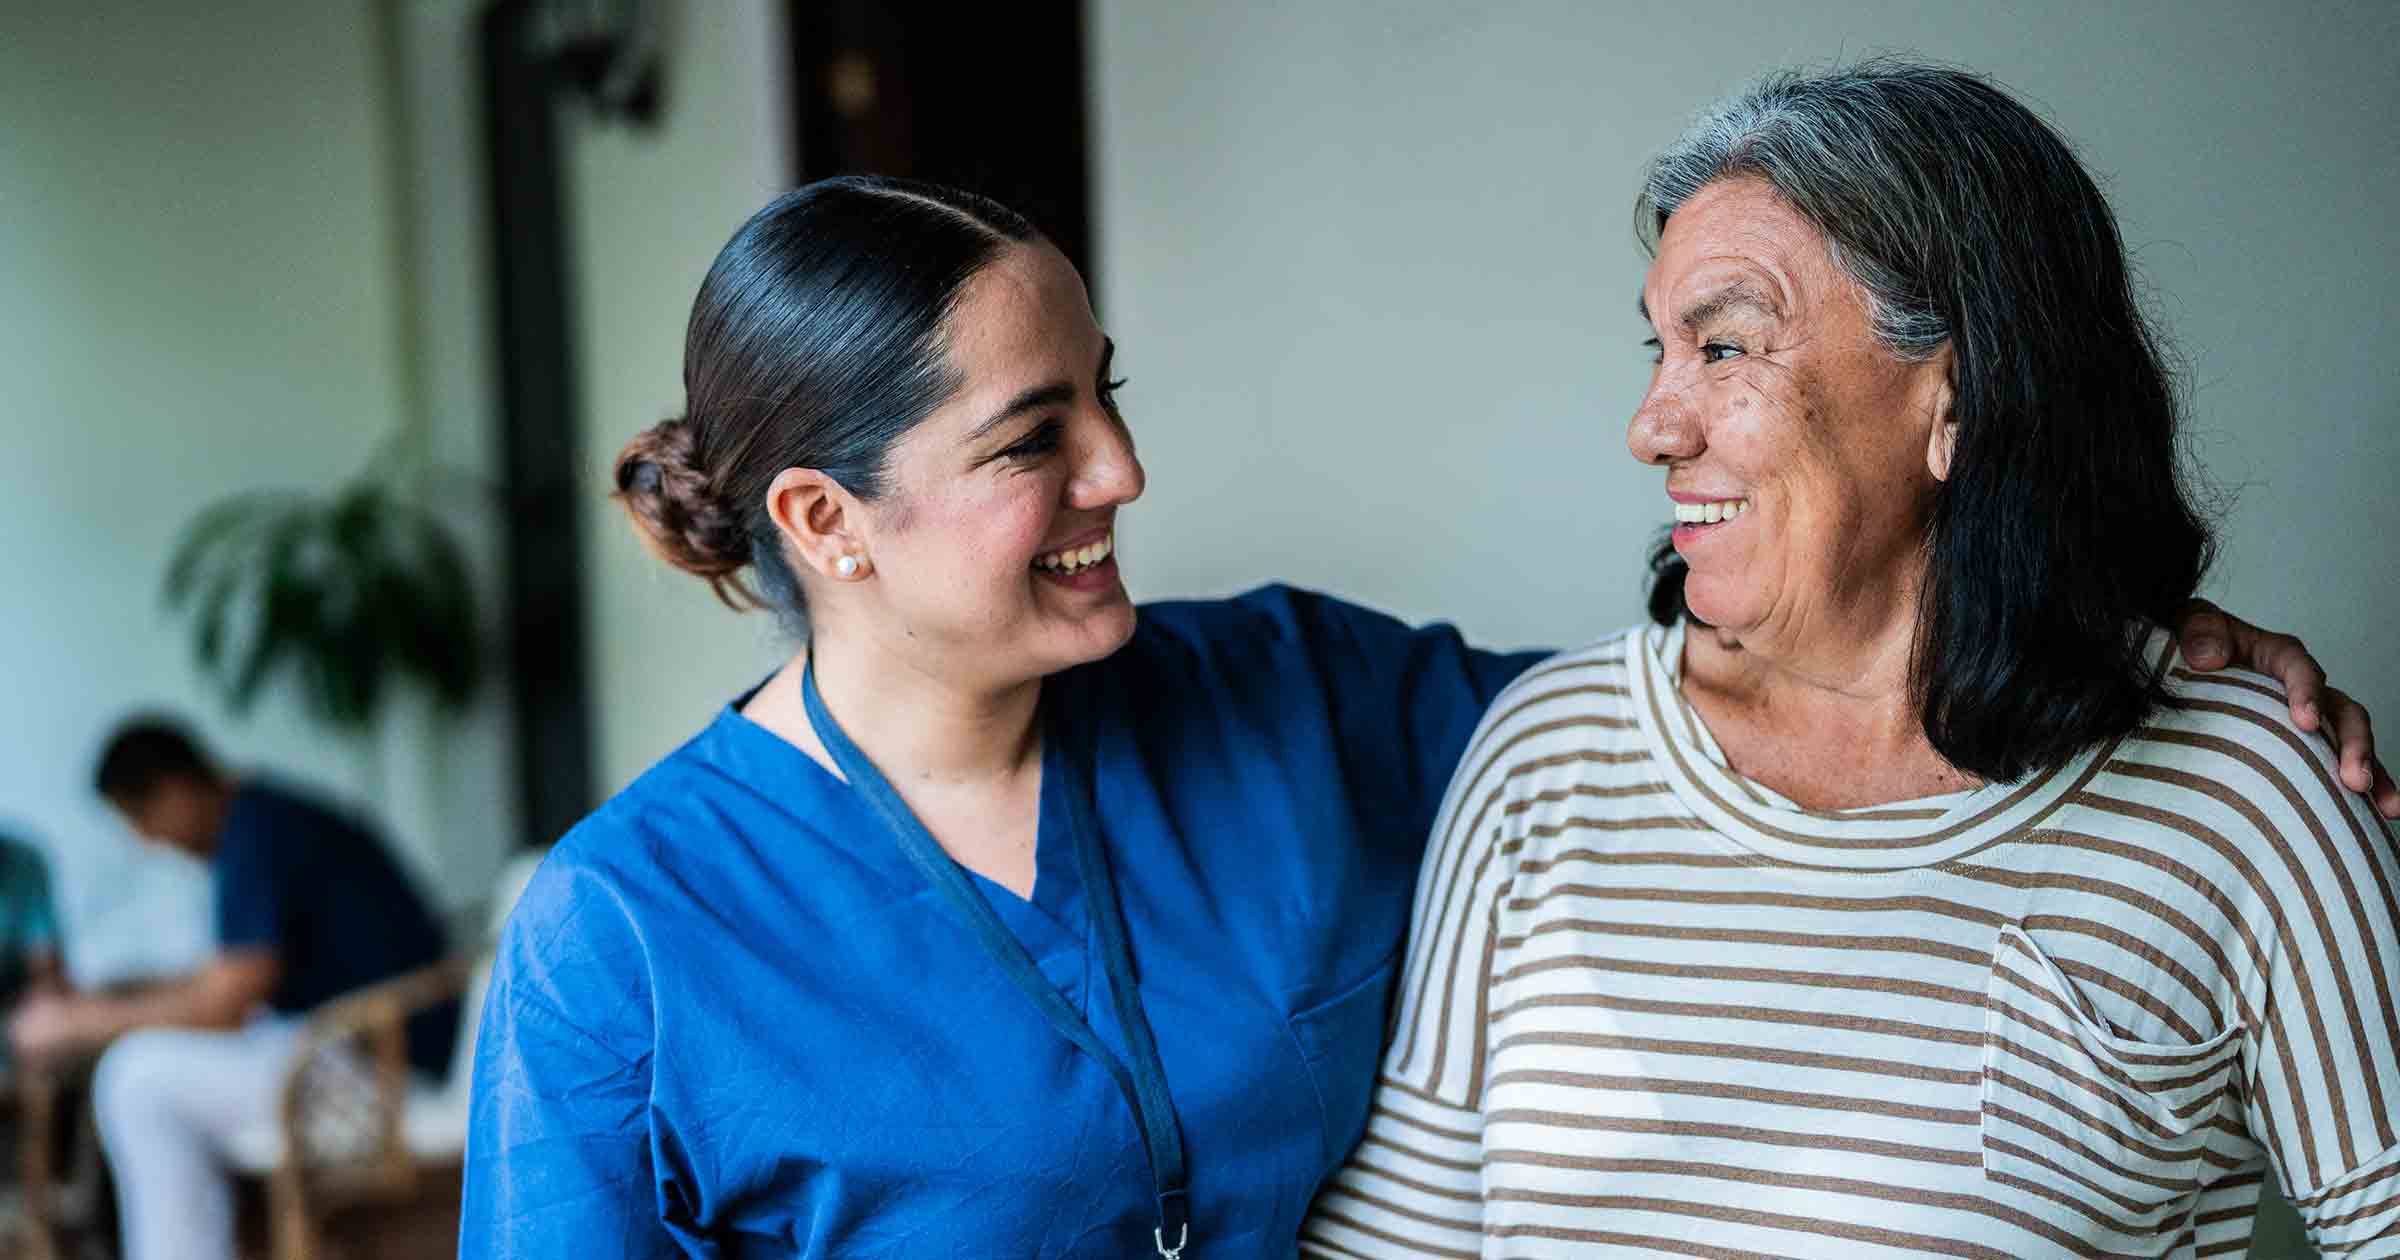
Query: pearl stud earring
847, 566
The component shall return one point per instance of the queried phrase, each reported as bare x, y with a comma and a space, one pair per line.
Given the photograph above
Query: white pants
168, 1101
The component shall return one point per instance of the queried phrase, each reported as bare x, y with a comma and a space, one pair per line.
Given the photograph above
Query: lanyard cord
1145, 1086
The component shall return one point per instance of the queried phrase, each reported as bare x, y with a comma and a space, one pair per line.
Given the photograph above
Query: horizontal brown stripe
1397, 1147
2097, 978
1733, 1133
2228, 1215
2163, 1057
2341, 1187
1326, 1215
2223, 679
1724, 1089
1315, 1244
2369, 1211
1584, 791
1847, 1230
2003, 1146
1815, 1183
1358, 1168
1418, 1122
1838, 1020
2163, 1154
1891, 1068
1348, 1188
2094, 1087
2286, 943
2014, 1118
1464, 840
1750, 975
1905, 903
1917, 945
2285, 847
2087, 1210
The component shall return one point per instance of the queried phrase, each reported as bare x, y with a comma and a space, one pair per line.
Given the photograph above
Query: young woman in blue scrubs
1001, 922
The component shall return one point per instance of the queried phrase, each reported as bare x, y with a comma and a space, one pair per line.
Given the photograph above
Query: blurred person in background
1003, 920
1899, 889
30, 958
309, 906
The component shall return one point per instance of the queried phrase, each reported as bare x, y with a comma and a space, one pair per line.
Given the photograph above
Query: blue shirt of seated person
325, 895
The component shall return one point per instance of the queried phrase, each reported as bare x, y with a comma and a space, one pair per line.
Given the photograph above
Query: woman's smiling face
994, 547
1800, 452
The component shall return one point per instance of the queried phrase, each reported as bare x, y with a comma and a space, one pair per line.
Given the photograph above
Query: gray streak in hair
1825, 144
1969, 223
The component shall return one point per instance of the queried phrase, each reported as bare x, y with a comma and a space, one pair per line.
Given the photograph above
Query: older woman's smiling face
1801, 454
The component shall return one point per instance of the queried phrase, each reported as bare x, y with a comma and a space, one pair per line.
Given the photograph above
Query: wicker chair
356, 1128
41, 1205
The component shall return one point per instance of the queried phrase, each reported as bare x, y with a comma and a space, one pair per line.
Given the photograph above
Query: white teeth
1077, 559
1710, 513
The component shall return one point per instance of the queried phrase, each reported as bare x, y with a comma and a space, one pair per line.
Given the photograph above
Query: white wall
1370, 267
197, 235
651, 208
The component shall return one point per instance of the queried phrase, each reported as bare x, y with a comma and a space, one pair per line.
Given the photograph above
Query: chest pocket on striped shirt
2098, 1133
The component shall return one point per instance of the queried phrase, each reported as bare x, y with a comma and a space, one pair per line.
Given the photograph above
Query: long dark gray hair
2065, 518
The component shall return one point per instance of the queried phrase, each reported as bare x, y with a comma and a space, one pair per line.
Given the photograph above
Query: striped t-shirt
1652, 1008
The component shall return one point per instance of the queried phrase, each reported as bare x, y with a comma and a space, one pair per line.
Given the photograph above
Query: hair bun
675, 506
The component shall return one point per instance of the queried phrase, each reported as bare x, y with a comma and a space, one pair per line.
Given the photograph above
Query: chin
1716, 605
1094, 636
1107, 630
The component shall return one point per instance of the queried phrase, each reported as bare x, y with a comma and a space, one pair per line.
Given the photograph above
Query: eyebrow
1049, 394
1740, 293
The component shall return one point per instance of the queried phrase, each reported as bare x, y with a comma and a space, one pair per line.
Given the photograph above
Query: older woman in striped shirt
1900, 892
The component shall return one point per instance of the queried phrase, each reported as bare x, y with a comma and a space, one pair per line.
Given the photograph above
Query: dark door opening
990, 98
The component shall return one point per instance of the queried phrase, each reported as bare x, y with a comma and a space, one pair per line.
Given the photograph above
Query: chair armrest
400, 996
376, 1016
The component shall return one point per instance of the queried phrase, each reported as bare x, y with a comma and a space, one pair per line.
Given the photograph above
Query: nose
1110, 474
1664, 428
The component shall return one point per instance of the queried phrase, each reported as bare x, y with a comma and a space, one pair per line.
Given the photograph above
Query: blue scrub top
728, 1018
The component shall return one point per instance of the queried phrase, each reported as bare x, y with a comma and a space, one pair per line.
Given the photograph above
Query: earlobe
813, 514
1939, 446
1941, 442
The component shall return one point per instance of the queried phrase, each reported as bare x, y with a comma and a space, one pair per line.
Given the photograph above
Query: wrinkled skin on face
1771, 389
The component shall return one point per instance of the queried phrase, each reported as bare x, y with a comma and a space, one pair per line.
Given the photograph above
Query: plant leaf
355, 592
216, 537
286, 610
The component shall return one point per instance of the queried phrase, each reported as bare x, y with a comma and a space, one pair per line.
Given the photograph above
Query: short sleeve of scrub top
728, 1018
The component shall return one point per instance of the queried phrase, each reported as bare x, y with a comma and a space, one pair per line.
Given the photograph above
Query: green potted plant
351, 593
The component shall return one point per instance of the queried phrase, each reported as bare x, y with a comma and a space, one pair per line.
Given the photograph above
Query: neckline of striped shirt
1893, 836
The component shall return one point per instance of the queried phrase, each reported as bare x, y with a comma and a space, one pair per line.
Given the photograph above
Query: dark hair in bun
815, 342
660, 484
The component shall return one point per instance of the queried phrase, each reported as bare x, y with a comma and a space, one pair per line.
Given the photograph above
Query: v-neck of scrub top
1054, 925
